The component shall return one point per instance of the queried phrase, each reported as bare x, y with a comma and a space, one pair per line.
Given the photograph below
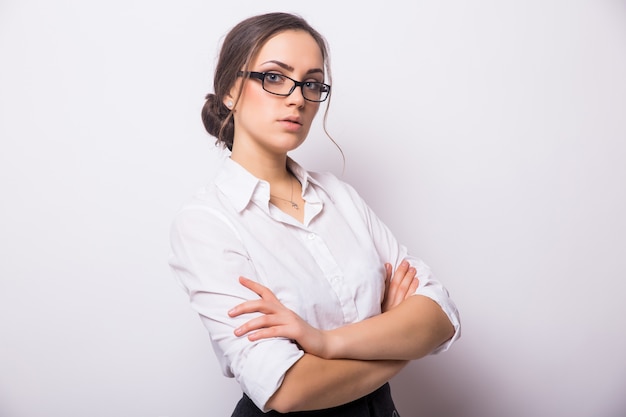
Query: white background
489, 135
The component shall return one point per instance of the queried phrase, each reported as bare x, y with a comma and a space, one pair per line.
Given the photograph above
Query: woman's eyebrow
290, 68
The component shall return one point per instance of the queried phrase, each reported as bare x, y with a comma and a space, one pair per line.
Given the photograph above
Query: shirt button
311, 236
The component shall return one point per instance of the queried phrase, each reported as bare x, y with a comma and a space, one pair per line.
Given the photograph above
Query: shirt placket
333, 274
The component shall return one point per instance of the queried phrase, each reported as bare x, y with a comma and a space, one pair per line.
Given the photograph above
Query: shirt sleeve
393, 252
207, 259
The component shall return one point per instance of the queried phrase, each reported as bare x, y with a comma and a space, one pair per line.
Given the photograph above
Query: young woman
309, 300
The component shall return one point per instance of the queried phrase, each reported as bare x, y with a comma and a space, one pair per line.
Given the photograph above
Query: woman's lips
290, 124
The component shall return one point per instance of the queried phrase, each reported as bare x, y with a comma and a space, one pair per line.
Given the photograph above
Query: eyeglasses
281, 85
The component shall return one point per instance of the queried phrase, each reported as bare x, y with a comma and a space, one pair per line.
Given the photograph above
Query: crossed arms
349, 362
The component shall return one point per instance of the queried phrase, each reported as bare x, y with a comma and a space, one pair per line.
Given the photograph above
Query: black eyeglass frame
324, 88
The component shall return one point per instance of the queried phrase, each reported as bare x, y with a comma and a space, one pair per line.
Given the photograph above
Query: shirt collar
241, 187
236, 183
302, 175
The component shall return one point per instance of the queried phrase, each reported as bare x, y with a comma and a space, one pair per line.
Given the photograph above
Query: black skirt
376, 404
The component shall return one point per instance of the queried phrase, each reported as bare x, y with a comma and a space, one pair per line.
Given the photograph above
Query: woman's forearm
411, 330
314, 383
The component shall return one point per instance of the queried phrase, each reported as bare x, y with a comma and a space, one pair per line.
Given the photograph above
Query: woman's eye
313, 85
274, 78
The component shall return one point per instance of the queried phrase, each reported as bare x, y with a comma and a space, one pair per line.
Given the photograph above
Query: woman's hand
276, 321
402, 286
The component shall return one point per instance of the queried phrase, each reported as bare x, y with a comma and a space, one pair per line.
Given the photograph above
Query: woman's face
276, 124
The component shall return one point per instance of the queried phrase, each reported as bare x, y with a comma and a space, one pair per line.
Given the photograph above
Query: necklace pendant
295, 205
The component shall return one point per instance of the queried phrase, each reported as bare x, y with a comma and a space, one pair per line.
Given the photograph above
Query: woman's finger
405, 282
395, 295
259, 289
261, 322
402, 285
413, 287
269, 332
253, 306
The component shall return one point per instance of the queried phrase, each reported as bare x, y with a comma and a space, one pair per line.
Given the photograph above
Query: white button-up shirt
328, 269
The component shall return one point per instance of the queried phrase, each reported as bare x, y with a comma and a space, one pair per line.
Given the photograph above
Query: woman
309, 300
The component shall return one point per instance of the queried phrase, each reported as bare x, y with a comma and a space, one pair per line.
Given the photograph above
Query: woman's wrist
333, 345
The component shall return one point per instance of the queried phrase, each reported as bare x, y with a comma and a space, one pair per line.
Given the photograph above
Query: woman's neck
271, 168
260, 162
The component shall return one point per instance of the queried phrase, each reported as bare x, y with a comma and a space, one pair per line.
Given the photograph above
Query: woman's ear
229, 98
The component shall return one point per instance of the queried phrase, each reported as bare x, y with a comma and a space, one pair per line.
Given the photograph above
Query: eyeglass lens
283, 85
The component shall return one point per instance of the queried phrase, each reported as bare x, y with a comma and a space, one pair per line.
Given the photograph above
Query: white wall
489, 135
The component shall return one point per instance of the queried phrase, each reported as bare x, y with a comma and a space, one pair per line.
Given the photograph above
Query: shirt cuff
449, 308
265, 367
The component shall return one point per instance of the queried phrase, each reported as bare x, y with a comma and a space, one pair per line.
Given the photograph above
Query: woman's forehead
296, 48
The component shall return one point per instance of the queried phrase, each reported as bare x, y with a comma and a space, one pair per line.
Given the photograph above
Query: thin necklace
293, 203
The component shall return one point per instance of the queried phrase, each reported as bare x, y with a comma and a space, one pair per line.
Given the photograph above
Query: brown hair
239, 46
